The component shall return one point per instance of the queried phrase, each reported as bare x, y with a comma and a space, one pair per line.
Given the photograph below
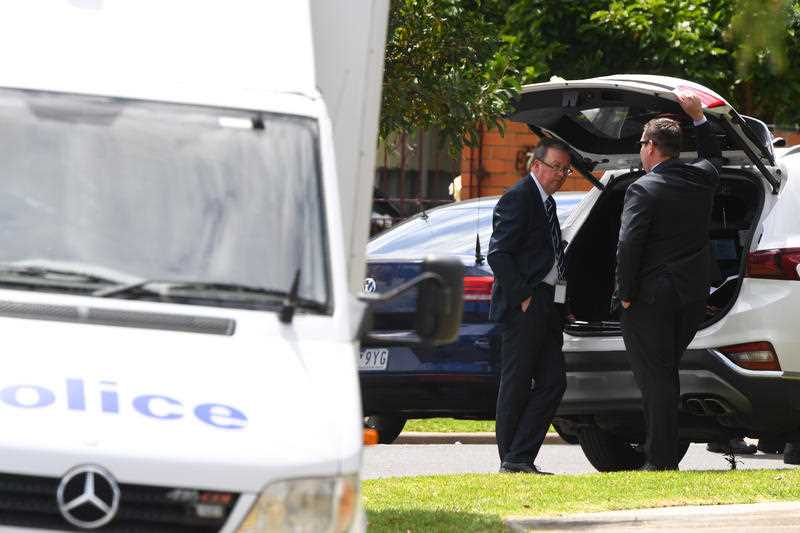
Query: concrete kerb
460, 438
755, 517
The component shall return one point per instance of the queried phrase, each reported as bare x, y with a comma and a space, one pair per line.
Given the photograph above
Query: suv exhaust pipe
695, 406
708, 407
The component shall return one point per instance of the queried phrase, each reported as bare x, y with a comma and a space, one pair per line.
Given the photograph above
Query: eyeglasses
557, 168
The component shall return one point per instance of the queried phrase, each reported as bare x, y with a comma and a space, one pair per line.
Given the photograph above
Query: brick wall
503, 161
792, 137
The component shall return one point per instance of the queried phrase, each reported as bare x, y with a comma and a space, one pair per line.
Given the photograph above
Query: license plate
373, 359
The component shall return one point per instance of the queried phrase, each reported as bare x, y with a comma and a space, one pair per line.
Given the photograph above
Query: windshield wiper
46, 276
290, 303
144, 285
289, 299
172, 289
123, 288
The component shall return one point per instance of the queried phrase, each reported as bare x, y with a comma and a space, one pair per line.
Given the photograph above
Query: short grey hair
545, 145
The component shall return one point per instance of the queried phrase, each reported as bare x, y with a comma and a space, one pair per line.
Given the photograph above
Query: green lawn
478, 502
451, 425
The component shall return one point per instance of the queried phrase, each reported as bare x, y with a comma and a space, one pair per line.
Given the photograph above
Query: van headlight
325, 504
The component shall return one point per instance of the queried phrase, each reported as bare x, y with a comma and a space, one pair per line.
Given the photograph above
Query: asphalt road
394, 460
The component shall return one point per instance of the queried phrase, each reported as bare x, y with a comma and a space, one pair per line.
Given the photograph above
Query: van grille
30, 502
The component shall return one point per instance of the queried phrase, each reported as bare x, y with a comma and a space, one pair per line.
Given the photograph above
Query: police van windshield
166, 192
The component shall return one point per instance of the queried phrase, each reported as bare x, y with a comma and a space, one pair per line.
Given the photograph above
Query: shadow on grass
418, 521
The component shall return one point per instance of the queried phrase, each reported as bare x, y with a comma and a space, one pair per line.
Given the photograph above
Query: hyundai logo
370, 285
88, 496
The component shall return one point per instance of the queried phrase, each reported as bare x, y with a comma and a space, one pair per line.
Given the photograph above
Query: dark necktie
555, 235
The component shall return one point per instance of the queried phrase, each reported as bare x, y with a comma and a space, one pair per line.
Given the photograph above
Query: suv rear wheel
388, 427
566, 437
609, 453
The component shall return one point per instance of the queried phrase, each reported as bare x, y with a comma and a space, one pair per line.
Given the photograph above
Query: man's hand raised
690, 103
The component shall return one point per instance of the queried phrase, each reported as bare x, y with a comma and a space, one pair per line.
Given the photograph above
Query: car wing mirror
440, 303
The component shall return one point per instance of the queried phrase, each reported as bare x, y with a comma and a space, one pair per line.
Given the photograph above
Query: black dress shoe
771, 445
791, 453
521, 468
737, 446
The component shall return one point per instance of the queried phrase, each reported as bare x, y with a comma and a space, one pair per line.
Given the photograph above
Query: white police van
178, 285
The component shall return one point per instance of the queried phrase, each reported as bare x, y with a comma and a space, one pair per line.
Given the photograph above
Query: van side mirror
440, 303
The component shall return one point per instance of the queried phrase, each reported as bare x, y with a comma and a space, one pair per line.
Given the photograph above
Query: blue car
457, 380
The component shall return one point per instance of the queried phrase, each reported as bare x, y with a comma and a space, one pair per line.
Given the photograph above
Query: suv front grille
30, 501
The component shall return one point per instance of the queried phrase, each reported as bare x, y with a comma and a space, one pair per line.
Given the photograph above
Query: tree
765, 36
747, 50
456, 64
681, 38
759, 30
447, 66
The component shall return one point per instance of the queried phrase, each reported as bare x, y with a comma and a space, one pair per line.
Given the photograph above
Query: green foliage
747, 50
767, 86
447, 66
456, 64
600, 37
669, 37
759, 34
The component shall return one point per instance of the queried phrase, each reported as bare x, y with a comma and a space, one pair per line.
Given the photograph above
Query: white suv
739, 375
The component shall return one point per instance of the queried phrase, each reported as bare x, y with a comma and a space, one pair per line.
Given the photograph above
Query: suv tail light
707, 99
478, 288
774, 264
752, 355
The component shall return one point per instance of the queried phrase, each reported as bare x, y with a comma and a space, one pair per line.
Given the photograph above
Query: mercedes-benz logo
370, 285
88, 496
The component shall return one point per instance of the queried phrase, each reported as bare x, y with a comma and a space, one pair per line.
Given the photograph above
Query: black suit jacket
665, 223
521, 250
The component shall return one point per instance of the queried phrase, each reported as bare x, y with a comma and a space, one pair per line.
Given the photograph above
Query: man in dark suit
663, 268
526, 256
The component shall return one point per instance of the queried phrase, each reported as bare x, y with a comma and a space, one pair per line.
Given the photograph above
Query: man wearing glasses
526, 255
663, 267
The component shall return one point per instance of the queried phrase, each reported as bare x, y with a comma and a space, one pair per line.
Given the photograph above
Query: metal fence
413, 174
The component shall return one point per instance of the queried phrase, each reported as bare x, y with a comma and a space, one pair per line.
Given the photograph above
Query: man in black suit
663, 268
526, 256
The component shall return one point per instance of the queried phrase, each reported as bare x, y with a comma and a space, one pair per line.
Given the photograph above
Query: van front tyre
609, 453
388, 427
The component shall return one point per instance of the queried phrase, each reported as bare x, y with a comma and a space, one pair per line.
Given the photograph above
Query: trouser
656, 336
532, 376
